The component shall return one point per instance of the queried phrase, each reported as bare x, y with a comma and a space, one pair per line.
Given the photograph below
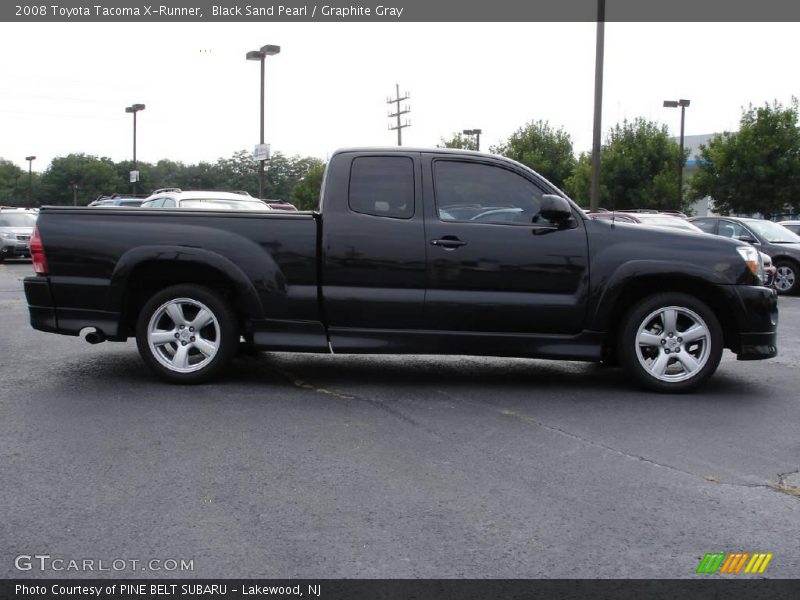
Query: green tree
754, 170
546, 150
94, 177
305, 195
638, 169
238, 172
102, 176
13, 184
459, 140
284, 173
163, 174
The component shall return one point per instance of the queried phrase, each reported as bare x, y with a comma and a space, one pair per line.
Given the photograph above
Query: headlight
752, 258
8, 236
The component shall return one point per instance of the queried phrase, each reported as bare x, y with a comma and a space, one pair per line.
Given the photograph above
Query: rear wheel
671, 342
786, 277
187, 333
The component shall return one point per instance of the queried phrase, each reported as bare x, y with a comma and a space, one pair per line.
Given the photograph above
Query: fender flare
133, 258
615, 286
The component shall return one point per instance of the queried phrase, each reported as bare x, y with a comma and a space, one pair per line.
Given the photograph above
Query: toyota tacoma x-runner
411, 251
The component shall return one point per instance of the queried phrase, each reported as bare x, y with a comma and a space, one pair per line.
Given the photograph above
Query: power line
398, 113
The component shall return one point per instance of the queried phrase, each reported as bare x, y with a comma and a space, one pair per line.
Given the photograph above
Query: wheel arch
610, 314
143, 271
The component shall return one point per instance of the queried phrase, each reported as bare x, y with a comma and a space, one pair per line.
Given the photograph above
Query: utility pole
398, 113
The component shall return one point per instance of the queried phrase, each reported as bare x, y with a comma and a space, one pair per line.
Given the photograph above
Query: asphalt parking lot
371, 467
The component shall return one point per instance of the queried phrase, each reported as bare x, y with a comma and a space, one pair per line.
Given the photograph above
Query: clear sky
64, 86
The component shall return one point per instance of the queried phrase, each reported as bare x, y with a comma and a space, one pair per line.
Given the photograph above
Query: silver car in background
16, 228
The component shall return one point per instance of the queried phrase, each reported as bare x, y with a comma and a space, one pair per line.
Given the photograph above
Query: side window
154, 203
168, 203
793, 228
707, 225
733, 230
382, 186
484, 193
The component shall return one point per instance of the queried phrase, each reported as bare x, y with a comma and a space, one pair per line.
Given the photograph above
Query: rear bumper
45, 316
40, 304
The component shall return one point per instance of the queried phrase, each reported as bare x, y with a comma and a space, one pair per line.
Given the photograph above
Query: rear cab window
382, 186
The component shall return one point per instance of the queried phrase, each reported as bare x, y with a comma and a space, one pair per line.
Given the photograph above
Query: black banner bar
416, 589
395, 10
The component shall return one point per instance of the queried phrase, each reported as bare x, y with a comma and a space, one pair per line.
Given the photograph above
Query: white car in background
208, 200
793, 226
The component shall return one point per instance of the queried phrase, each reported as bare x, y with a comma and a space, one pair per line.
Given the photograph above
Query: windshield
662, 221
220, 204
773, 233
17, 220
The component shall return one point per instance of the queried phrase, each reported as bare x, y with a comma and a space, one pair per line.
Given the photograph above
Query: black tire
788, 271
197, 355
660, 366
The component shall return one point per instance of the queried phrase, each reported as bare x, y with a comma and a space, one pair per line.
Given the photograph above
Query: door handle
449, 242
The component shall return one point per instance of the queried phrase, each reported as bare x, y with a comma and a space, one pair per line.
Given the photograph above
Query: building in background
703, 206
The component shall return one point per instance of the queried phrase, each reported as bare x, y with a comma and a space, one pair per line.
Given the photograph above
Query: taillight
37, 252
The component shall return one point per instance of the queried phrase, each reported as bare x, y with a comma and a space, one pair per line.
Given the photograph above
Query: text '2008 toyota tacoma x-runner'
411, 251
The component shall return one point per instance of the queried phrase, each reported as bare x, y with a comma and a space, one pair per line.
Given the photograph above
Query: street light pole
477, 133
261, 55
134, 108
683, 104
30, 160
594, 199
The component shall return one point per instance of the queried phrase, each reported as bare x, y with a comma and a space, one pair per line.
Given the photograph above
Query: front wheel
671, 342
187, 333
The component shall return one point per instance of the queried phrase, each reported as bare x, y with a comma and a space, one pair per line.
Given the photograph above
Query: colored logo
734, 563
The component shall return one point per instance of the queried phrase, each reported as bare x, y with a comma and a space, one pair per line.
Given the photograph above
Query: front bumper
757, 320
757, 346
15, 250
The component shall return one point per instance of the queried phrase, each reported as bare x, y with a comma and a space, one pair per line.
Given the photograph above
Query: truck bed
99, 259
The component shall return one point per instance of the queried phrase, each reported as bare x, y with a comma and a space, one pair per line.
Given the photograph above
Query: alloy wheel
673, 343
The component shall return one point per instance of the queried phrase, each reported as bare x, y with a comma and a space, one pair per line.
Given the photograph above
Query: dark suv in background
773, 239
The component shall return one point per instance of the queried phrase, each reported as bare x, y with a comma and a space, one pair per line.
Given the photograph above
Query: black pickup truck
412, 251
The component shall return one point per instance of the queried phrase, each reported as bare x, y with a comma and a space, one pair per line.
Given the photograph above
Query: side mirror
555, 208
747, 238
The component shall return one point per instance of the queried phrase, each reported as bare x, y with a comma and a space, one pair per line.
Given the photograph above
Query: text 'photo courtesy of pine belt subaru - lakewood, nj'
412, 251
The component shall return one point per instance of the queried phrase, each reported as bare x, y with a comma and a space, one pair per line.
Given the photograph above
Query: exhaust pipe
93, 336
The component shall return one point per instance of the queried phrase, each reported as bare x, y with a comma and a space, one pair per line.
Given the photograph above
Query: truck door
373, 248
494, 263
